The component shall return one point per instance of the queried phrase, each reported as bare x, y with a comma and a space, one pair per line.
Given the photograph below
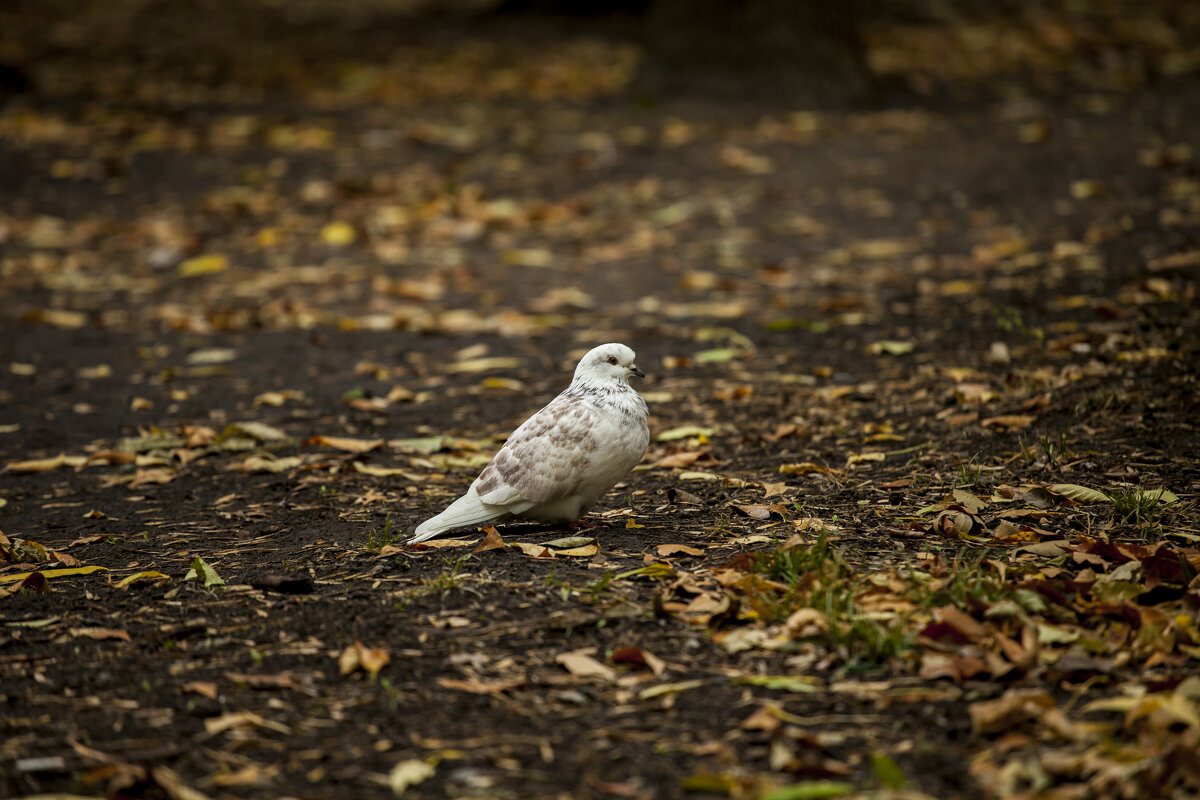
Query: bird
561, 460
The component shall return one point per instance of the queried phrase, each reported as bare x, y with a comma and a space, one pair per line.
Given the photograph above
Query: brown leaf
280, 680
491, 541
1009, 710
638, 657
476, 686
668, 550
442, 544
760, 512
206, 688
773, 489
357, 656
100, 634
679, 460
1008, 421
343, 443
582, 665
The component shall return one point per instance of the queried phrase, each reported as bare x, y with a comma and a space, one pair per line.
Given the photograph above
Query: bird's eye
612, 360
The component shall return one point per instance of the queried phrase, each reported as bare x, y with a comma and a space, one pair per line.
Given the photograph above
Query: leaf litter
920, 512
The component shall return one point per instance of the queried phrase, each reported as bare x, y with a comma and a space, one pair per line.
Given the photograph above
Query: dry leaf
668, 550
582, 665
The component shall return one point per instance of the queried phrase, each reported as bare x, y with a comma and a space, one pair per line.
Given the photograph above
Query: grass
969, 472
377, 540
818, 577
1138, 509
1055, 447
969, 583
447, 579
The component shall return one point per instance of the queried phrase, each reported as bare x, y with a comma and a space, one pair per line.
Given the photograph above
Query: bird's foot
583, 525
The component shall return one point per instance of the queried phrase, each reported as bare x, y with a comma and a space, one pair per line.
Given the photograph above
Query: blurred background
519, 166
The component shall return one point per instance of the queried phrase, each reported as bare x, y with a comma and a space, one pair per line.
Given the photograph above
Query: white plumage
562, 459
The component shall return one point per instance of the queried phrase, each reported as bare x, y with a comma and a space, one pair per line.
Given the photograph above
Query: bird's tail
462, 513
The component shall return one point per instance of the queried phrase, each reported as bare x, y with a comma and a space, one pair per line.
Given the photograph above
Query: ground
918, 515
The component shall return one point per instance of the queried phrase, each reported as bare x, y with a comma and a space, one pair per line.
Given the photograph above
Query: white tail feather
464, 512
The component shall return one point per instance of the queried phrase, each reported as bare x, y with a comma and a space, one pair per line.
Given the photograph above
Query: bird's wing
545, 459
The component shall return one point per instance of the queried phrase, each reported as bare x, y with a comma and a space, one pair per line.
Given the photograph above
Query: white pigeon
562, 459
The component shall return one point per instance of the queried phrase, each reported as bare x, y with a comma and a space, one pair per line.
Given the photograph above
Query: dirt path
918, 516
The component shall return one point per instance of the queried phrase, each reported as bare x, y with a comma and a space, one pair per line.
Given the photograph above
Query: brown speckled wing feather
545, 458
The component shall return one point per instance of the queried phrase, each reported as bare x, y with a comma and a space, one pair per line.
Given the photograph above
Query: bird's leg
583, 525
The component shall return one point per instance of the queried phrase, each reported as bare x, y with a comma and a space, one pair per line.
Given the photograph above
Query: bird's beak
637, 371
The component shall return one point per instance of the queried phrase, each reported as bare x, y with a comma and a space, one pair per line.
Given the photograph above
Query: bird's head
608, 363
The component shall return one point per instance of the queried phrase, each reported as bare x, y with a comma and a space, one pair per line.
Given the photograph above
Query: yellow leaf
1008, 421
484, 364
338, 234
669, 688
203, 265
53, 573
528, 258
581, 552
37, 464
630, 522
890, 347
408, 773
142, 577
378, 471
345, 443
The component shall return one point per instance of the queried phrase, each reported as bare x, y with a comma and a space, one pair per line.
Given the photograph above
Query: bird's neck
607, 393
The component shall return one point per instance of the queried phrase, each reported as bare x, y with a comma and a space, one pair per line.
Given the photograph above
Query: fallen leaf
586, 551
476, 686
483, 364
491, 541
890, 347
100, 634
669, 688
810, 790
443, 544
791, 683
773, 489
377, 471
201, 569
149, 576
270, 464
1008, 421
668, 550
684, 432
568, 542
212, 355
1080, 494
582, 665
338, 234
1012, 708
203, 265
639, 657
204, 688
357, 656
533, 550
53, 573
344, 443
254, 430
887, 771
807, 468
408, 773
